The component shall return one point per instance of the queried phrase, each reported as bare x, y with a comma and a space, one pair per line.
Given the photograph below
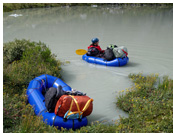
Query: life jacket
98, 47
72, 107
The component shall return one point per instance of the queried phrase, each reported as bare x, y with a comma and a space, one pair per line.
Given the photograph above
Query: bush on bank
149, 105
23, 60
16, 6
150, 108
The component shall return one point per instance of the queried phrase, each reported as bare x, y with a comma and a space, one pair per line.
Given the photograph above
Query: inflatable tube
36, 99
101, 61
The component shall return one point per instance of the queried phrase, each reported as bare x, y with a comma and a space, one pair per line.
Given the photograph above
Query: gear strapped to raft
76, 114
74, 107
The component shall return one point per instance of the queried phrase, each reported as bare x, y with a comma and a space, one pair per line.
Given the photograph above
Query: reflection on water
146, 32
15, 15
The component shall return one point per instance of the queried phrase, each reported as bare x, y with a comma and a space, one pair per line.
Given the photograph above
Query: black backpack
109, 55
92, 51
52, 96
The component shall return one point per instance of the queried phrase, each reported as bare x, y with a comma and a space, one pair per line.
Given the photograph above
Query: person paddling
94, 49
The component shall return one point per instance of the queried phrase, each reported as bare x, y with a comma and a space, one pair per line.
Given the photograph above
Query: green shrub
150, 108
12, 51
12, 108
32, 123
24, 60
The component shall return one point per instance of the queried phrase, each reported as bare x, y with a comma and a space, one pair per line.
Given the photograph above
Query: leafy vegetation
149, 101
23, 60
150, 108
15, 6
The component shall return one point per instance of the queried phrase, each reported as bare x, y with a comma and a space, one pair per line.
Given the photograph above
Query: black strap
54, 81
38, 81
79, 119
118, 62
73, 125
41, 82
58, 108
54, 120
46, 80
65, 119
41, 111
32, 91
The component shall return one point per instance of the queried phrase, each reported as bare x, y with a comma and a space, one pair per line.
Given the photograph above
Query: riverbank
148, 101
23, 60
7, 7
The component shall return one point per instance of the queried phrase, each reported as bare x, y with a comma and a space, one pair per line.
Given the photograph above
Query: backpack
119, 51
124, 49
52, 96
75, 93
92, 51
109, 55
74, 107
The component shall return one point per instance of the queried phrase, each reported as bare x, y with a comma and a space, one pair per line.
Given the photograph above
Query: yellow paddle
81, 51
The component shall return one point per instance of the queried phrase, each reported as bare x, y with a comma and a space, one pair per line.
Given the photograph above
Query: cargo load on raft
57, 103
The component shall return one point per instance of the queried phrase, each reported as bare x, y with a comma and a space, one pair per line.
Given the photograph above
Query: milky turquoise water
146, 32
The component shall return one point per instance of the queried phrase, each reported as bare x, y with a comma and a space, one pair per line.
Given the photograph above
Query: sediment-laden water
146, 32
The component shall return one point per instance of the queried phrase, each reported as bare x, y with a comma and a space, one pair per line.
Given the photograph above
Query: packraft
36, 98
101, 61
69, 106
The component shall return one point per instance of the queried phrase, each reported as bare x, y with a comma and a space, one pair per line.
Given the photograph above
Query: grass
149, 101
150, 108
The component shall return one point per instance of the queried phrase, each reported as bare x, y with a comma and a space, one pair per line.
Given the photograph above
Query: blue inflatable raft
36, 99
96, 60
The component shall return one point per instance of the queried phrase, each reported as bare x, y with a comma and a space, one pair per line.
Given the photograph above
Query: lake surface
146, 32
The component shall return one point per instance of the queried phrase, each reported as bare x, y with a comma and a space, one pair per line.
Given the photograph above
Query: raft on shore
37, 100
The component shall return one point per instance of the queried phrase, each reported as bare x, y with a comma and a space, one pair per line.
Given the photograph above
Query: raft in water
37, 100
96, 60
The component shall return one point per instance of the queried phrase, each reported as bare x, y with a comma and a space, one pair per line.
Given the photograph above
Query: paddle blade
81, 51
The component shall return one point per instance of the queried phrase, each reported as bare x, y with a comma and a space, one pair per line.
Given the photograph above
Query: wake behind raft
37, 100
115, 62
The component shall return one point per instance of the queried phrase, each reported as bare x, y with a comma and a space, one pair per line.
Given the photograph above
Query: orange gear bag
74, 104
